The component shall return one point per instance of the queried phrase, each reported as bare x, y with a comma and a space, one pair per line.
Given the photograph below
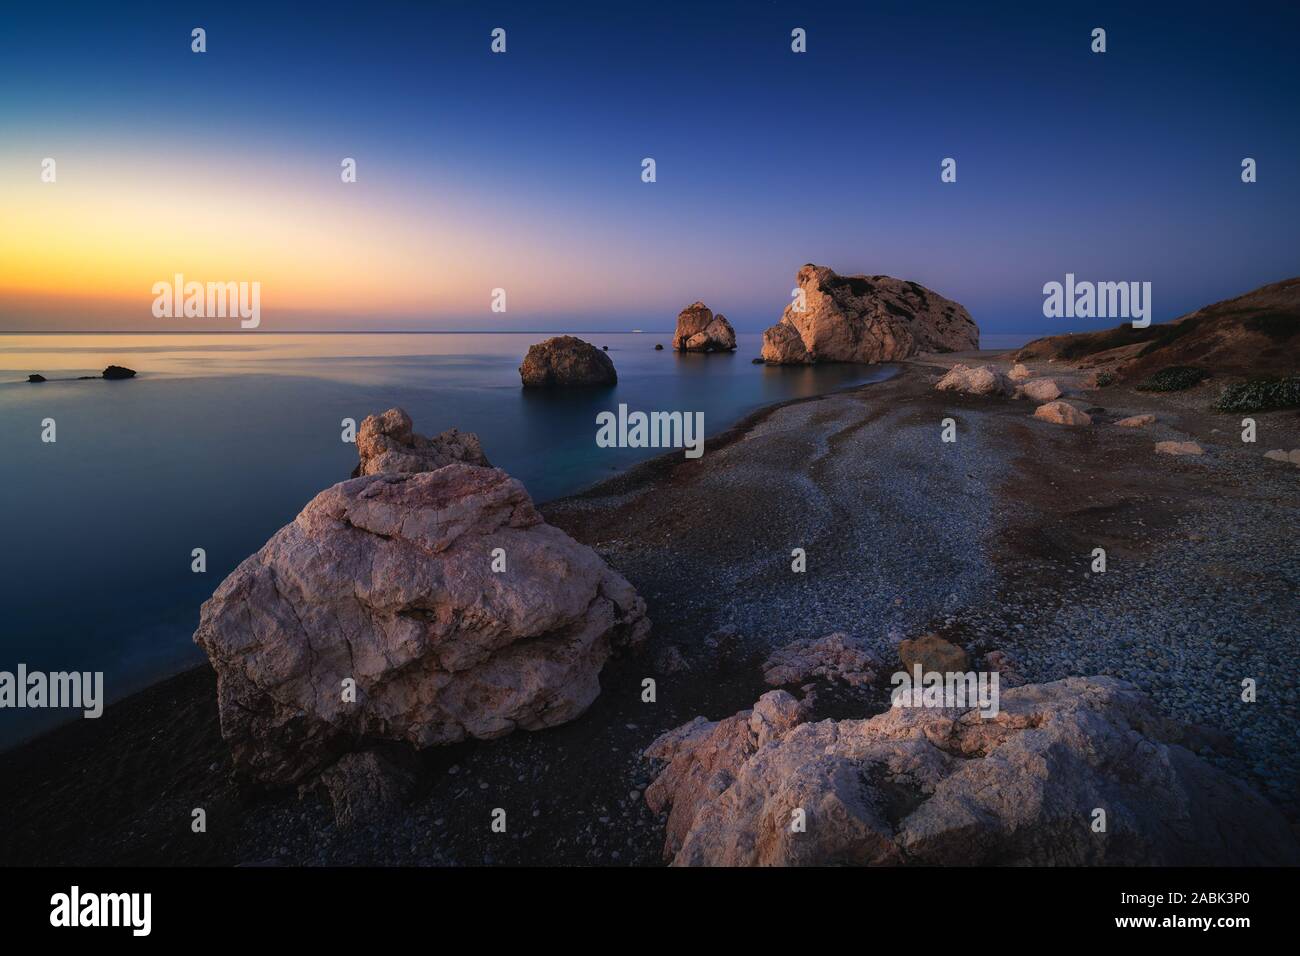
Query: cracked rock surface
388, 580
935, 786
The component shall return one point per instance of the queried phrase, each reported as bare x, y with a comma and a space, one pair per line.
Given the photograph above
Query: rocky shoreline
985, 541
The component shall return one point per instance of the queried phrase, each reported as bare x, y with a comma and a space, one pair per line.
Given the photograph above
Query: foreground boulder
945, 787
388, 443
699, 330
387, 581
865, 319
566, 360
982, 380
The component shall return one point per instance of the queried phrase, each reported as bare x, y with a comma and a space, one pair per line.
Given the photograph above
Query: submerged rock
566, 360
378, 614
946, 787
699, 330
1179, 448
865, 319
387, 444
118, 372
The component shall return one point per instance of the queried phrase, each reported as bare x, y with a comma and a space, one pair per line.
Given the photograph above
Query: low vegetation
1172, 379
1260, 395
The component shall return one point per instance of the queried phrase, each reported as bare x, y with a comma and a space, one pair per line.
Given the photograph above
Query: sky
523, 170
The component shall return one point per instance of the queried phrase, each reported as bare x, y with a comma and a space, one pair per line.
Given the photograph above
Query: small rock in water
118, 372
36, 377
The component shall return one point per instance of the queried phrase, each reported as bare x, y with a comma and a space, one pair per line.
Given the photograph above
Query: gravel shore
987, 540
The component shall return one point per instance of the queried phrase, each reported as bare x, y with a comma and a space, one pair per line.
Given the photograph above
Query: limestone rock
835, 657
364, 787
386, 580
865, 319
982, 380
699, 330
1062, 413
1019, 373
566, 360
387, 444
703, 757
1007, 666
1136, 421
947, 787
1280, 454
1041, 390
933, 653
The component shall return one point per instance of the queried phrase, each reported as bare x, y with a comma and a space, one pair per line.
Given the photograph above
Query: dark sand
987, 541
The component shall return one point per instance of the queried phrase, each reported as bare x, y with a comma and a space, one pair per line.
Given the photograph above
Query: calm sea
221, 440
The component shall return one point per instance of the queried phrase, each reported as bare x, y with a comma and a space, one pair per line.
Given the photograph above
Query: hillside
1253, 334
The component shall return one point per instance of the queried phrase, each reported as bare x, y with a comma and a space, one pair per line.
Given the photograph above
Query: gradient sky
523, 170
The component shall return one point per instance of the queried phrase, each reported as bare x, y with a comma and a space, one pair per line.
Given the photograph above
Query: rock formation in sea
387, 443
424, 607
36, 377
699, 330
929, 786
865, 319
566, 360
118, 372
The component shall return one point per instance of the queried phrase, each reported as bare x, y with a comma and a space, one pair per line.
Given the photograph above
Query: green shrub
1260, 395
1105, 378
1172, 379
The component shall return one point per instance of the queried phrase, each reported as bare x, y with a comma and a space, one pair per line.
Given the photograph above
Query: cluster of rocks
865, 319
112, 373
387, 443
699, 330
945, 786
987, 380
424, 605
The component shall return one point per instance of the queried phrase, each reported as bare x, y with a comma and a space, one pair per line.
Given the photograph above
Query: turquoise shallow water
223, 438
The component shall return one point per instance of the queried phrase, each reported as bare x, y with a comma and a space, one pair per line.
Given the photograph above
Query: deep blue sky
1117, 166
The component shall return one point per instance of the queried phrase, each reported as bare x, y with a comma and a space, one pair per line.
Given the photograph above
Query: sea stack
699, 330
566, 360
865, 319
